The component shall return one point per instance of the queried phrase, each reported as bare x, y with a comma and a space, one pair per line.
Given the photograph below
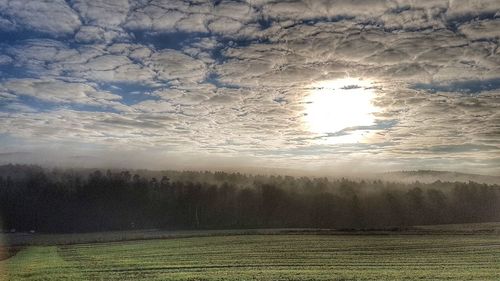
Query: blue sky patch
465, 87
130, 93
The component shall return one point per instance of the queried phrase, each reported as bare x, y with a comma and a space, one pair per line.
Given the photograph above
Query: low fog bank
429, 176
407, 177
83, 200
359, 168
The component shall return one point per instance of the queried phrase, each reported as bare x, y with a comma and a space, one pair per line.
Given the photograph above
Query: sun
336, 105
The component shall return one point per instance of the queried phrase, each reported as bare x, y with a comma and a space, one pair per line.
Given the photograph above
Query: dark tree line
82, 200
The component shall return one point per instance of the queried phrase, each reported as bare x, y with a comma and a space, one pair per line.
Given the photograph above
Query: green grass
266, 257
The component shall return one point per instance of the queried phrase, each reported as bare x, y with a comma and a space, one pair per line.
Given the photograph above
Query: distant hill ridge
427, 176
16, 171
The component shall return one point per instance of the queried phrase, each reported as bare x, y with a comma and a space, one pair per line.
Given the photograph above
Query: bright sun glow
335, 105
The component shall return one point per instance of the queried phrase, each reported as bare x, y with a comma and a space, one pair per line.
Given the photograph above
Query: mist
82, 200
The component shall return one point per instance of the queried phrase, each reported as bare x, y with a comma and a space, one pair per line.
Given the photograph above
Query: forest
84, 200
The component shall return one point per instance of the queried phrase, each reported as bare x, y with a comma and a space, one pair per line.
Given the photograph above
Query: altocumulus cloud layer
162, 82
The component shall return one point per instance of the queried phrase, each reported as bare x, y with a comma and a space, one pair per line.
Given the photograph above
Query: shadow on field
9, 251
16, 240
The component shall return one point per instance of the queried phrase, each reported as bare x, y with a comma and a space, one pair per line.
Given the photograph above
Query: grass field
265, 257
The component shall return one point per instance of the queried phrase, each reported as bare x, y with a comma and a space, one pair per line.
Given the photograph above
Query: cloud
39, 15
481, 29
102, 20
98, 35
231, 78
164, 16
7, 25
106, 13
38, 53
112, 68
173, 65
18, 107
225, 26
169, 16
59, 92
5, 59
119, 62
155, 106
300, 10
471, 9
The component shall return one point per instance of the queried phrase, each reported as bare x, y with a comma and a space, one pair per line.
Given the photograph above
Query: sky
327, 86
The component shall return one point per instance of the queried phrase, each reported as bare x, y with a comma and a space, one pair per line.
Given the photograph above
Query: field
265, 257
